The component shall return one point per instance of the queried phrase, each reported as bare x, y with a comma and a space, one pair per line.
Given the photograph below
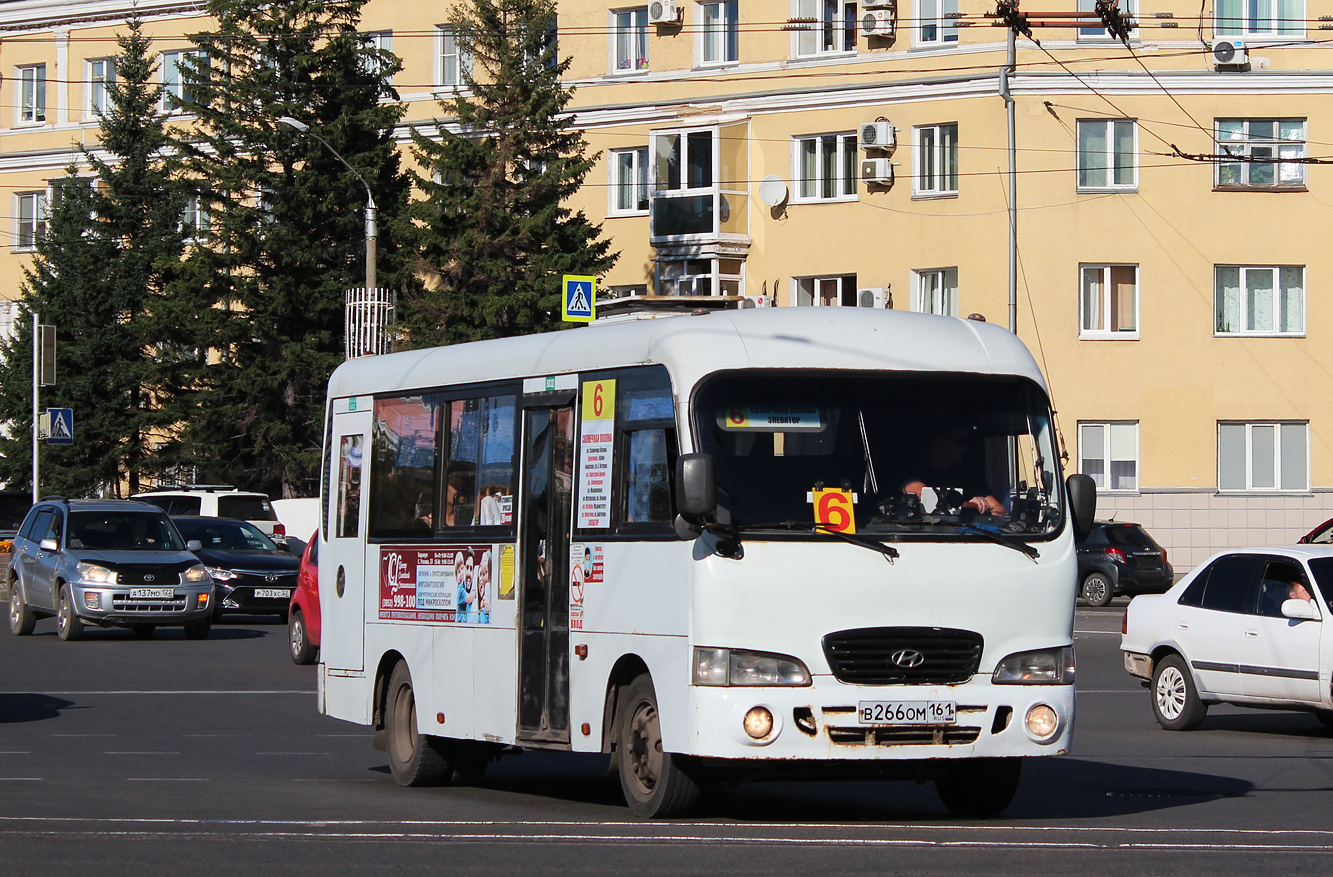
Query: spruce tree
97, 277
285, 235
493, 236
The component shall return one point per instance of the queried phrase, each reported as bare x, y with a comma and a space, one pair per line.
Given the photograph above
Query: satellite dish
772, 190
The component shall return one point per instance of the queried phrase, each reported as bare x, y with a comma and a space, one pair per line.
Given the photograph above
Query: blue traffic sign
579, 302
62, 426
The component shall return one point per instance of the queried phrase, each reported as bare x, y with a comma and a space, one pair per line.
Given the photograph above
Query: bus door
545, 515
342, 595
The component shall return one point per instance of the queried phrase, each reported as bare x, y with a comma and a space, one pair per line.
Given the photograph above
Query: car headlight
219, 575
198, 573
91, 572
735, 667
1040, 667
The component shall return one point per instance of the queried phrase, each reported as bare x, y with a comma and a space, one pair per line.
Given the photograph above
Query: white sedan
1250, 626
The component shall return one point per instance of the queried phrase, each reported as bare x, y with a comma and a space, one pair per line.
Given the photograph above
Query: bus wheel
979, 788
415, 759
653, 781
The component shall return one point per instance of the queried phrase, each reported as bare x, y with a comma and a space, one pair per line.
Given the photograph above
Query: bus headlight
726, 667
1041, 667
1042, 722
91, 572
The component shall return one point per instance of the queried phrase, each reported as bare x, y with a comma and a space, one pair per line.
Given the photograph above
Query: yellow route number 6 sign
834, 509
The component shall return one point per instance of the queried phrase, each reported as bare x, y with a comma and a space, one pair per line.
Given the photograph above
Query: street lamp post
372, 230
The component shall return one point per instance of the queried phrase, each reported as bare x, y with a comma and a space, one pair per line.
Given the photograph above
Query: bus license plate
151, 593
896, 712
272, 592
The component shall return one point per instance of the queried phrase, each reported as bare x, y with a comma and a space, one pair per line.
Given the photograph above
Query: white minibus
747, 544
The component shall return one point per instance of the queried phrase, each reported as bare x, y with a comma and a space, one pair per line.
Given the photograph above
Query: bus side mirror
696, 487
1082, 504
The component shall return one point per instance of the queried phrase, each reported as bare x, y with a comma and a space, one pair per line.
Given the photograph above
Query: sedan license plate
273, 592
896, 712
151, 593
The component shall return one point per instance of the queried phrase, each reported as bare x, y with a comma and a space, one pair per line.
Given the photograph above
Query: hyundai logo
148, 577
908, 659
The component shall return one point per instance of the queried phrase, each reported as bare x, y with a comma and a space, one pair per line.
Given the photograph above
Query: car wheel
298, 640
653, 781
69, 626
198, 629
21, 619
979, 788
143, 631
415, 759
1175, 702
1097, 589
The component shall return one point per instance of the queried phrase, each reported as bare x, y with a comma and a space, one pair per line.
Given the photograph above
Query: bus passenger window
478, 479
402, 488
349, 486
648, 458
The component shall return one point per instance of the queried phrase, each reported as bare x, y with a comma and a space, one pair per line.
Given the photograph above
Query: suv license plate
272, 592
151, 593
896, 712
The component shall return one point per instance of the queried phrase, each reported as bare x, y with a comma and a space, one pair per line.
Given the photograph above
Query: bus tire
979, 788
415, 759
1175, 701
654, 782
21, 619
69, 626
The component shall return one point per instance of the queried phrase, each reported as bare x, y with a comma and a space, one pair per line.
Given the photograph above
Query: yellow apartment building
1168, 198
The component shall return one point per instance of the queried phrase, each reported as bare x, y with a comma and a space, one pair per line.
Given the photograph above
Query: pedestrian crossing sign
59, 423
579, 302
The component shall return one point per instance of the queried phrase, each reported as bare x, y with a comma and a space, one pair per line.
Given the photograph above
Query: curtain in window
1092, 449
1124, 456
1259, 300
1228, 299
1122, 298
1092, 153
1231, 456
1092, 300
1291, 302
1230, 18
1294, 470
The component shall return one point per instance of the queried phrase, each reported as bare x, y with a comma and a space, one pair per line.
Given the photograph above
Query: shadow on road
30, 707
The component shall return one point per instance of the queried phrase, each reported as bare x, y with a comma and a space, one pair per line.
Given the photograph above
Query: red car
1319, 535
303, 611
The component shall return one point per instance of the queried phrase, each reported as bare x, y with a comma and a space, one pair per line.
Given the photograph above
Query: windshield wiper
1000, 539
889, 552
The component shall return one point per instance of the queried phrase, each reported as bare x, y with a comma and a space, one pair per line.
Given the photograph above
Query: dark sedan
253, 575
1121, 558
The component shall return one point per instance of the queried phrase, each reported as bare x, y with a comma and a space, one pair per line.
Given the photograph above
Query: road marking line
293, 753
16, 752
166, 779
20, 779
141, 753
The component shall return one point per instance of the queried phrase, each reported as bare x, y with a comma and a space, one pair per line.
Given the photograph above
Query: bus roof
694, 345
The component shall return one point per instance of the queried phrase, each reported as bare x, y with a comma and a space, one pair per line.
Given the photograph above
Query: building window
1109, 302
1260, 18
1265, 153
935, 152
935, 291
101, 74
1095, 32
177, 79
829, 28
455, 63
718, 33
826, 167
30, 218
1108, 453
380, 45
629, 40
700, 277
1107, 154
32, 93
629, 181
195, 222
826, 291
938, 23
1263, 456
1260, 300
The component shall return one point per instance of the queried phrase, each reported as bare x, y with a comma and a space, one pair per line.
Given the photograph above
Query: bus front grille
903, 655
912, 736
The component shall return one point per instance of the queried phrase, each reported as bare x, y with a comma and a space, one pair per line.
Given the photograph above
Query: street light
372, 232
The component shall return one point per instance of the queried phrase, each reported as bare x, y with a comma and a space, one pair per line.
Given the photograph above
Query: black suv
113, 563
1120, 558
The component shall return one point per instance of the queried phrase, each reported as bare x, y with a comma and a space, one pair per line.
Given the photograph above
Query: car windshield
912, 450
225, 535
1128, 534
123, 531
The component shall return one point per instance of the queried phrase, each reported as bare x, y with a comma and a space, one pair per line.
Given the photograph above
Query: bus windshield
914, 453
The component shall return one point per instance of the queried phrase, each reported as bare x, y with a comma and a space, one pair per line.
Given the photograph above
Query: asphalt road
125, 756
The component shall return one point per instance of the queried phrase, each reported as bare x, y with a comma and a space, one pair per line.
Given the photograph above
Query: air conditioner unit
877, 136
877, 171
757, 301
871, 298
879, 4
1230, 54
879, 22
665, 12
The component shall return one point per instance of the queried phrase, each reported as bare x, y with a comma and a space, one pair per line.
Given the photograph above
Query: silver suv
112, 563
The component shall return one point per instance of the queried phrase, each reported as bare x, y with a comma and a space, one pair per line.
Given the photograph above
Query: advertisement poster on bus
439, 583
596, 437
585, 568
